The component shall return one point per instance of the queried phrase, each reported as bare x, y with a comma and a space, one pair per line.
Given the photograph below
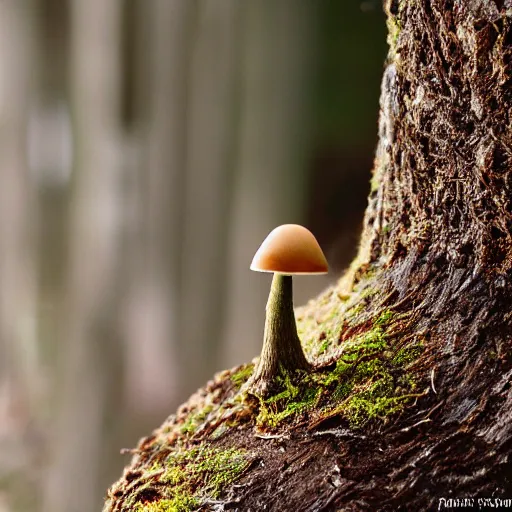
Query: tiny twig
406, 429
434, 408
432, 381
271, 436
338, 433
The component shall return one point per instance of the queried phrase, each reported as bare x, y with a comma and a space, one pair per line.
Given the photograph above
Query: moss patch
394, 28
188, 476
241, 376
195, 419
408, 354
175, 505
294, 399
368, 381
394, 25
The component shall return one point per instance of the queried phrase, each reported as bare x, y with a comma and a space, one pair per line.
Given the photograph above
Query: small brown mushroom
287, 251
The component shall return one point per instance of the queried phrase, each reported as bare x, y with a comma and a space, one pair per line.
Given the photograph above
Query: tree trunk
151, 308
84, 366
21, 372
410, 404
211, 148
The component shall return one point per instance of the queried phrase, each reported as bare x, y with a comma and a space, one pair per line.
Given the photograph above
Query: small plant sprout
287, 251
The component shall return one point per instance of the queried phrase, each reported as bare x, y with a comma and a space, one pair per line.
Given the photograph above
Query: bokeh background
147, 147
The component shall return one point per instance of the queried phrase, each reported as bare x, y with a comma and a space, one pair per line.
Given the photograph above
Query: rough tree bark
410, 401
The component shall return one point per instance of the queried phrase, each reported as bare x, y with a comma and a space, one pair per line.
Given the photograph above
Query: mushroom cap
290, 249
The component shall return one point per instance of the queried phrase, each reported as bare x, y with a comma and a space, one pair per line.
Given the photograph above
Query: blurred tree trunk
18, 205
93, 250
20, 379
211, 152
152, 306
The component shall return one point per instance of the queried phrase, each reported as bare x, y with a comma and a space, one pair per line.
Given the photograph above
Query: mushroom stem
281, 344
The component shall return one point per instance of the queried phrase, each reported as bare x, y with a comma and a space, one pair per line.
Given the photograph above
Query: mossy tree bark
436, 258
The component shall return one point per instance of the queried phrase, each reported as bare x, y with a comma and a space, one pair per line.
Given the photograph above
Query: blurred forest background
147, 147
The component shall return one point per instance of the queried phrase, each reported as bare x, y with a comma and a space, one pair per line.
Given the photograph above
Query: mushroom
288, 250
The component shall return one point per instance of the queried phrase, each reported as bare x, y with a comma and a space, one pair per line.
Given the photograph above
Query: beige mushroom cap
290, 249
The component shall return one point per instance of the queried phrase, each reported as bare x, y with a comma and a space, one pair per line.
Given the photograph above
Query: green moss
367, 293
406, 381
272, 416
241, 376
394, 24
384, 318
335, 375
324, 346
367, 344
178, 504
346, 374
371, 368
219, 468
376, 384
368, 381
320, 328
362, 408
394, 28
289, 392
374, 182
365, 399
408, 354
342, 391
292, 400
191, 475
195, 419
